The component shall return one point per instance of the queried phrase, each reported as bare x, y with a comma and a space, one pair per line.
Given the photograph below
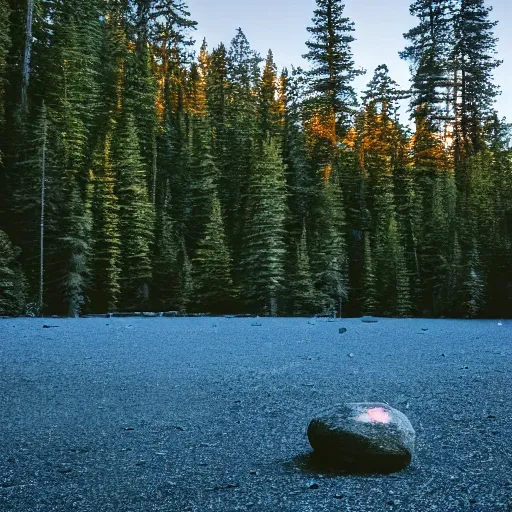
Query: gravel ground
177, 414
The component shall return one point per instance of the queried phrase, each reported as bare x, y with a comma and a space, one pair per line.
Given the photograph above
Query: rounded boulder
363, 437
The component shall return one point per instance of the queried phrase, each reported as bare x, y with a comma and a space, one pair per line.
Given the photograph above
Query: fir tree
12, 281
269, 109
263, 241
136, 216
474, 284
332, 63
5, 43
369, 305
241, 136
430, 44
213, 285
473, 63
329, 257
105, 246
165, 257
301, 288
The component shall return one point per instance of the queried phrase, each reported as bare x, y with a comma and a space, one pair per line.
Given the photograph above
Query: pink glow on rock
379, 415
375, 415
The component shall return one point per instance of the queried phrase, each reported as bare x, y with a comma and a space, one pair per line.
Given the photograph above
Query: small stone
369, 320
180, 428
343, 330
11, 459
491, 416
314, 486
351, 355
424, 329
472, 501
129, 428
391, 502
339, 496
364, 437
46, 326
253, 472
442, 355
140, 463
64, 470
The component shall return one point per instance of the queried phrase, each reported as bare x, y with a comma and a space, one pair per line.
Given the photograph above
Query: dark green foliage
136, 216
213, 285
210, 184
333, 67
5, 43
474, 285
165, 286
264, 234
269, 114
12, 282
430, 43
105, 251
329, 257
300, 286
369, 305
473, 64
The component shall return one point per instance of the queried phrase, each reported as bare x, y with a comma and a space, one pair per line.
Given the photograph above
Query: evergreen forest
137, 174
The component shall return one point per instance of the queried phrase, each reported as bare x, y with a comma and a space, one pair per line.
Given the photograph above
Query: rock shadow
314, 463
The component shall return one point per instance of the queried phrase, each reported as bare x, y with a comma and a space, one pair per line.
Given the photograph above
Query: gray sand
173, 414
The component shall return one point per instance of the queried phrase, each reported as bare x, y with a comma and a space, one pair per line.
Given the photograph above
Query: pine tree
473, 66
474, 284
369, 302
136, 216
264, 236
184, 278
431, 42
301, 290
332, 64
241, 137
329, 257
106, 243
165, 257
269, 110
5, 43
213, 285
12, 282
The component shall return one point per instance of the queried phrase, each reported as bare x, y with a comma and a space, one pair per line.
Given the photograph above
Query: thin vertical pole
43, 191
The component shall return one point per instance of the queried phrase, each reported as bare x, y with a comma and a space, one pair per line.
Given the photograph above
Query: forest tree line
136, 174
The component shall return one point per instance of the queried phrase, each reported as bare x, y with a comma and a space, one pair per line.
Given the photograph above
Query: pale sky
380, 24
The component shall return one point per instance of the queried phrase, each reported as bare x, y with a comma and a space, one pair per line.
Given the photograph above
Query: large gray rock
363, 437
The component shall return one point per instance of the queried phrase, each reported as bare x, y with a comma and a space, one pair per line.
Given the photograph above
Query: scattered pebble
339, 496
46, 326
140, 463
424, 329
253, 472
64, 470
314, 486
343, 330
129, 428
351, 355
